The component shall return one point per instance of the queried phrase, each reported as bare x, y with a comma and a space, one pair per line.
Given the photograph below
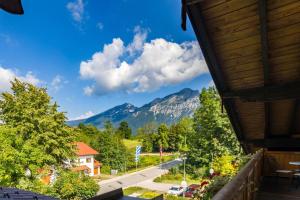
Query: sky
92, 55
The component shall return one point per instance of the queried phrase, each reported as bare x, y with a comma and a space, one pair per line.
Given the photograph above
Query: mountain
167, 110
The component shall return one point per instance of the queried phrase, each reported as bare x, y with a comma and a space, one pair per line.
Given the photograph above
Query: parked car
176, 190
191, 190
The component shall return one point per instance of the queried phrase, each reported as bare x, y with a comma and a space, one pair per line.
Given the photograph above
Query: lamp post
184, 152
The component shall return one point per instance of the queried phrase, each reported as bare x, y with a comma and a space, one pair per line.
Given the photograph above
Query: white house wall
89, 165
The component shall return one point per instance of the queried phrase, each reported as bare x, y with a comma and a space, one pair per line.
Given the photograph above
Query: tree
162, 137
88, 134
180, 133
112, 151
33, 134
108, 127
175, 138
73, 185
124, 131
147, 134
214, 135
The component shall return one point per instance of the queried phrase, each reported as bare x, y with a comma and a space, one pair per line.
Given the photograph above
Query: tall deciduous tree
214, 135
33, 133
112, 151
124, 131
162, 137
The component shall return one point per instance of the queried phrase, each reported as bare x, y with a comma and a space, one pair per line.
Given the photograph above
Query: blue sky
93, 55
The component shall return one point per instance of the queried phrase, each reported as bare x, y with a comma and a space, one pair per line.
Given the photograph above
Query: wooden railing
245, 183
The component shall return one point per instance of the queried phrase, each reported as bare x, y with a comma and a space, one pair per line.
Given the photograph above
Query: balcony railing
244, 185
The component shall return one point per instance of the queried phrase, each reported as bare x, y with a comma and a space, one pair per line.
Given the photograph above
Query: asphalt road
135, 178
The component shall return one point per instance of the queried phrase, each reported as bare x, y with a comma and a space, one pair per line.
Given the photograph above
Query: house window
88, 160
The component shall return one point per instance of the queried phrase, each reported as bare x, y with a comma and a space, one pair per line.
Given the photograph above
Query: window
88, 160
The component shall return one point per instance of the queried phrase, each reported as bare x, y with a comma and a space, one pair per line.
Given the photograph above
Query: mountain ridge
168, 109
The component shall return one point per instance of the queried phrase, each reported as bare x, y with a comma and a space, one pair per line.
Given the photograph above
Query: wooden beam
262, 5
293, 120
199, 26
264, 39
266, 93
276, 142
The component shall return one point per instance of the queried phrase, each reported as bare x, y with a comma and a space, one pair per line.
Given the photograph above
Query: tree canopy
124, 131
33, 133
214, 135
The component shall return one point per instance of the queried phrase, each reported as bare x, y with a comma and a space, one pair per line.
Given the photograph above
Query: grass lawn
131, 144
141, 192
176, 179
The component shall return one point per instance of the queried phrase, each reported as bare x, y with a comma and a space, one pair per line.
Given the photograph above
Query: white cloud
7, 75
84, 116
58, 82
138, 40
142, 66
77, 10
100, 26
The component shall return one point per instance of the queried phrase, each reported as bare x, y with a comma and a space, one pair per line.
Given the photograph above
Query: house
85, 161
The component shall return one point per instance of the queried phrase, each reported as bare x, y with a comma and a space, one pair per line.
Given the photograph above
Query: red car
191, 190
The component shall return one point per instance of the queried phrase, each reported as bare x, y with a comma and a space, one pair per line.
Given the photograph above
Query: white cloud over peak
7, 75
77, 10
84, 116
141, 66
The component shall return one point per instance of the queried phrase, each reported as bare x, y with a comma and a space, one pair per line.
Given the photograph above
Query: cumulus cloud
77, 10
7, 75
141, 66
57, 82
84, 116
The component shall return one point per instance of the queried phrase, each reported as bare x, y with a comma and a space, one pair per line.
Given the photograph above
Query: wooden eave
252, 49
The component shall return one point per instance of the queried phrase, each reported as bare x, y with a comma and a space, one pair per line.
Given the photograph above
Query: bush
35, 185
225, 165
200, 172
105, 169
174, 170
216, 184
72, 185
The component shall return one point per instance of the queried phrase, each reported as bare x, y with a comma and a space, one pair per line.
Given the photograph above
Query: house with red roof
86, 161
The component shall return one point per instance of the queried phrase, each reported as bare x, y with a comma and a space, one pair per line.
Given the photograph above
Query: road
134, 179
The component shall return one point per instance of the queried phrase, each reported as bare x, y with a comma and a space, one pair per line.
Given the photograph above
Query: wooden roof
252, 49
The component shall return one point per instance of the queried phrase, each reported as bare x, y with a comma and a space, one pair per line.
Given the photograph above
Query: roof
97, 163
12, 6
81, 168
84, 150
13, 193
252, 52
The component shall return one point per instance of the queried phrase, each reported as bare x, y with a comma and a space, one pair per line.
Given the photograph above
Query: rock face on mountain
161, 110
